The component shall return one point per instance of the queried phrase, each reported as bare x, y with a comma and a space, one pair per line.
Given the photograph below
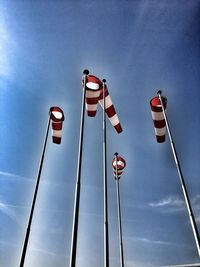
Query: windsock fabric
110, 110
57, 118
158, 117
93, 88
118, 165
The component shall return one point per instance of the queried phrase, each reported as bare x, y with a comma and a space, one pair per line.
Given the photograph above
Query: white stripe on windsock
114, 120
92, 94
159, 131
57, 133
157, 116
91, 107
108, 102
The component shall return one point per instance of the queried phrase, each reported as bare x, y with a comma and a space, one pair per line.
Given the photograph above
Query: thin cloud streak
43, 251
8, 175
153, 242
150, 241
174, 204
138, 264
8, 210
6, 243
169, 205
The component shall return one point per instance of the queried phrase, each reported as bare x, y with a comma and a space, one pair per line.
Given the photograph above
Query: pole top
86, 72
159, 92
104, 80
116, 154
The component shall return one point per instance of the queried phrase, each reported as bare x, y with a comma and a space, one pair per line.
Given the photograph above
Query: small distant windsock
158, 117
118, 165
57, 118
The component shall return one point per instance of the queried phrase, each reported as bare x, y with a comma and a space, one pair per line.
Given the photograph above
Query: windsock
94, 95
93, 88
118, 165
158, 117
57, 118
110, 110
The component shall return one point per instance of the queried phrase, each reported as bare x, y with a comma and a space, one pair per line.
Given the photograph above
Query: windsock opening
93, 83
56, 114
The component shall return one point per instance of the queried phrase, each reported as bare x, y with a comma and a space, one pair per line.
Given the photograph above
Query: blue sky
138, 46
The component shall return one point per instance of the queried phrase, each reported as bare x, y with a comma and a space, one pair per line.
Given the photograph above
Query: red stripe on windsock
110, 111
92, 101
56, 140
56, 125
159, 124
158, 117
160, 139
118, 128
91, 113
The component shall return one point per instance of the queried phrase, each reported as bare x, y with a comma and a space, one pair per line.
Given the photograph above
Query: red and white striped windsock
93, 88
158, 117
110, 110
57, 118
118, 165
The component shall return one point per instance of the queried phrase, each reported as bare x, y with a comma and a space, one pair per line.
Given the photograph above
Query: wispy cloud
138, 264
43, 251
196, 201
9, 211
8, 175
174, 204
170, 204
9, 244
150, 241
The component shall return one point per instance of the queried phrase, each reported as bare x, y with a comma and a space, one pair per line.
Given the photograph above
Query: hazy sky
138, 46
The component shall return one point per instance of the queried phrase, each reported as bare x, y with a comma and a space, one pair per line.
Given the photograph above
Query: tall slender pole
22, 260
78, 180
106, 236
119, 215
189, 207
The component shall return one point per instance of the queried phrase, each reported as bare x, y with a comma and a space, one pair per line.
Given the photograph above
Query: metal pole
106, 236
189, 208
22, 260
119, 216
78, 180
